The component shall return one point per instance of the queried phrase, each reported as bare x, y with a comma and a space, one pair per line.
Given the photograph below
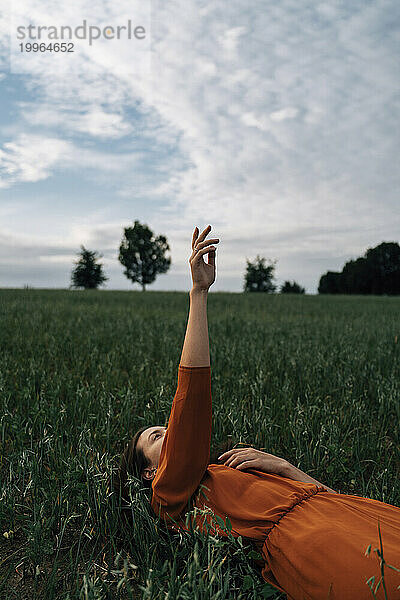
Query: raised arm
196, 350
186, 446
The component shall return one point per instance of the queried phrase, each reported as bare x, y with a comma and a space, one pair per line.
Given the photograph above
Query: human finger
199, 245
194, 236
247, 464
204, 233
238, 455
228, 453
225, 455
199, 253
237, 460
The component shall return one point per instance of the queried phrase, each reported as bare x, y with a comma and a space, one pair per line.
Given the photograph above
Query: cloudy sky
276, 123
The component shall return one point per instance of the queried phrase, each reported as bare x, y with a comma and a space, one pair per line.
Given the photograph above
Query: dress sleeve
185, 452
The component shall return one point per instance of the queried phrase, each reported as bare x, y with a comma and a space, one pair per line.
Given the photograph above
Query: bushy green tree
355, 277
142, 255
377, 272
259, 277
292, 288
384, 266
87, 273
330, 283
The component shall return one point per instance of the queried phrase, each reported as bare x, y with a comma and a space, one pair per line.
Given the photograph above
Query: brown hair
132, 463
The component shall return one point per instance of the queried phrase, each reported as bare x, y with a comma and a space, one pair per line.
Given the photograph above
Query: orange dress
312, 541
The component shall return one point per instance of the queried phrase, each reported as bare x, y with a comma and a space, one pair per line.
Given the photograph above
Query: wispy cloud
276, 123
95, 122
33, 157
30, 158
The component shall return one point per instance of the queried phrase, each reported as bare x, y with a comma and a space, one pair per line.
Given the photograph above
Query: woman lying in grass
312, 539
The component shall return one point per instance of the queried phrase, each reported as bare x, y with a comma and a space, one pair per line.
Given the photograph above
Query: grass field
313, 379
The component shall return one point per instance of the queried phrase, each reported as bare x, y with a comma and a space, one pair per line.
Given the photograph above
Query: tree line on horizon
377, 272
143, 257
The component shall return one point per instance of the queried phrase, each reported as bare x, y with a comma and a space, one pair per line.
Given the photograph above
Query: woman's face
150, 441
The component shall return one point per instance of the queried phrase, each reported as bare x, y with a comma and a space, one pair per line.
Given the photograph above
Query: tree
87, 273
384, 265
355, 277
142, 255
292, 288
377, 272
260, 277
330, 283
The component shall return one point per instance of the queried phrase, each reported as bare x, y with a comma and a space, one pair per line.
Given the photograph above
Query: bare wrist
292, 472
197, 290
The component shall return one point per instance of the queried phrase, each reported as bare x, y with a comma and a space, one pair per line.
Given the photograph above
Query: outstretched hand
203, 274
